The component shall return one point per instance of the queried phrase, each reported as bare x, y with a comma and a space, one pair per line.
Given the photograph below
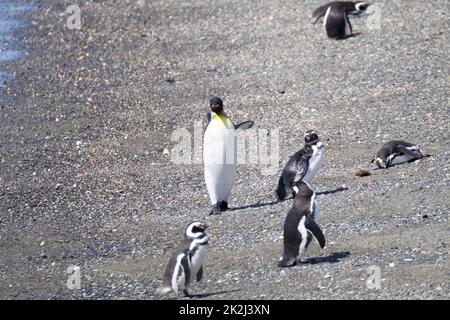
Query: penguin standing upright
336, 23
220, 154
303, 165
396, 152
186, 262
353, 8
300, 225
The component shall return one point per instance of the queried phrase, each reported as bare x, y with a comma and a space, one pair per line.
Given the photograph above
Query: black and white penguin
396, 152
301, 225
353, 8
220, 154
303, 165
186, 262
336, 23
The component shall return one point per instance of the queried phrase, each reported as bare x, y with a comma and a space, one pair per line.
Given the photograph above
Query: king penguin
300, 226
186, 262
303, 165
397, 152
220, 154
353, 8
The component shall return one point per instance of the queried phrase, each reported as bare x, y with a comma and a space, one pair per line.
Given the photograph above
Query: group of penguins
219, 160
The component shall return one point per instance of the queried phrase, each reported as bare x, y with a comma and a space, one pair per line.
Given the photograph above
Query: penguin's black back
391, 147
286, 181
335, 23
183, 247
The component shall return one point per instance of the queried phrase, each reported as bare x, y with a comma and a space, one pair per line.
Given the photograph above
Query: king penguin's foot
215, 209
223, 206
186, 293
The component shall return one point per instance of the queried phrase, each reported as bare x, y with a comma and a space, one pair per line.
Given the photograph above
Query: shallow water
13, 18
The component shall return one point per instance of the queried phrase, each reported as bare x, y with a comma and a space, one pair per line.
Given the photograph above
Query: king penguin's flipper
244, 126
312, 226
200, 274
208, 117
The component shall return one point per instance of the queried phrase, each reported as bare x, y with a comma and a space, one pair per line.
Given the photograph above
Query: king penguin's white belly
219, 158
315, 161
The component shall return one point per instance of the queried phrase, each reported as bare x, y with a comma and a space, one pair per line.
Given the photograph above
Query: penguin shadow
332, 258
255, 205
349, 36
331, 191
271, 203
207, 295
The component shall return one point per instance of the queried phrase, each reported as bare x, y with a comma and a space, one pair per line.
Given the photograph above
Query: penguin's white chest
219, 158
197, 260
398, 159
315, 161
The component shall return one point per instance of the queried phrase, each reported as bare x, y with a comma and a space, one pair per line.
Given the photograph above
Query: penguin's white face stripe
361, 6
304, 234
189, 230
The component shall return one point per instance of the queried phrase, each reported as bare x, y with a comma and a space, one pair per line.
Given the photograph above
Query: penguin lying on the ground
220, 154
186, 262
396, 152
353, 8
300, 225
303, 165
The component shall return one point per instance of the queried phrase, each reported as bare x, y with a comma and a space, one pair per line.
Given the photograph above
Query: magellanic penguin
396, 152
336, 23
186, 262
353, 8
220, 154
303, 165
300, 226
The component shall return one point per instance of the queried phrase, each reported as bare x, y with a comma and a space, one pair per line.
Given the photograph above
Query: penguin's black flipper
200, 274
281, 189
208, 117
319, 13
416, 155
286, 181
185, 265
303, 170
244, 126
312, 226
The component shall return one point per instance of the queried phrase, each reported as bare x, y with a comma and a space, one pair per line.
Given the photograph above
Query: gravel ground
86, 115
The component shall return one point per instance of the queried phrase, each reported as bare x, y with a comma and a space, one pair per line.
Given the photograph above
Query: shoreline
89, 114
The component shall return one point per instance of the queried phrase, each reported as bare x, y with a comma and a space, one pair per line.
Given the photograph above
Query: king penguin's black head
311, 137
216, 105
